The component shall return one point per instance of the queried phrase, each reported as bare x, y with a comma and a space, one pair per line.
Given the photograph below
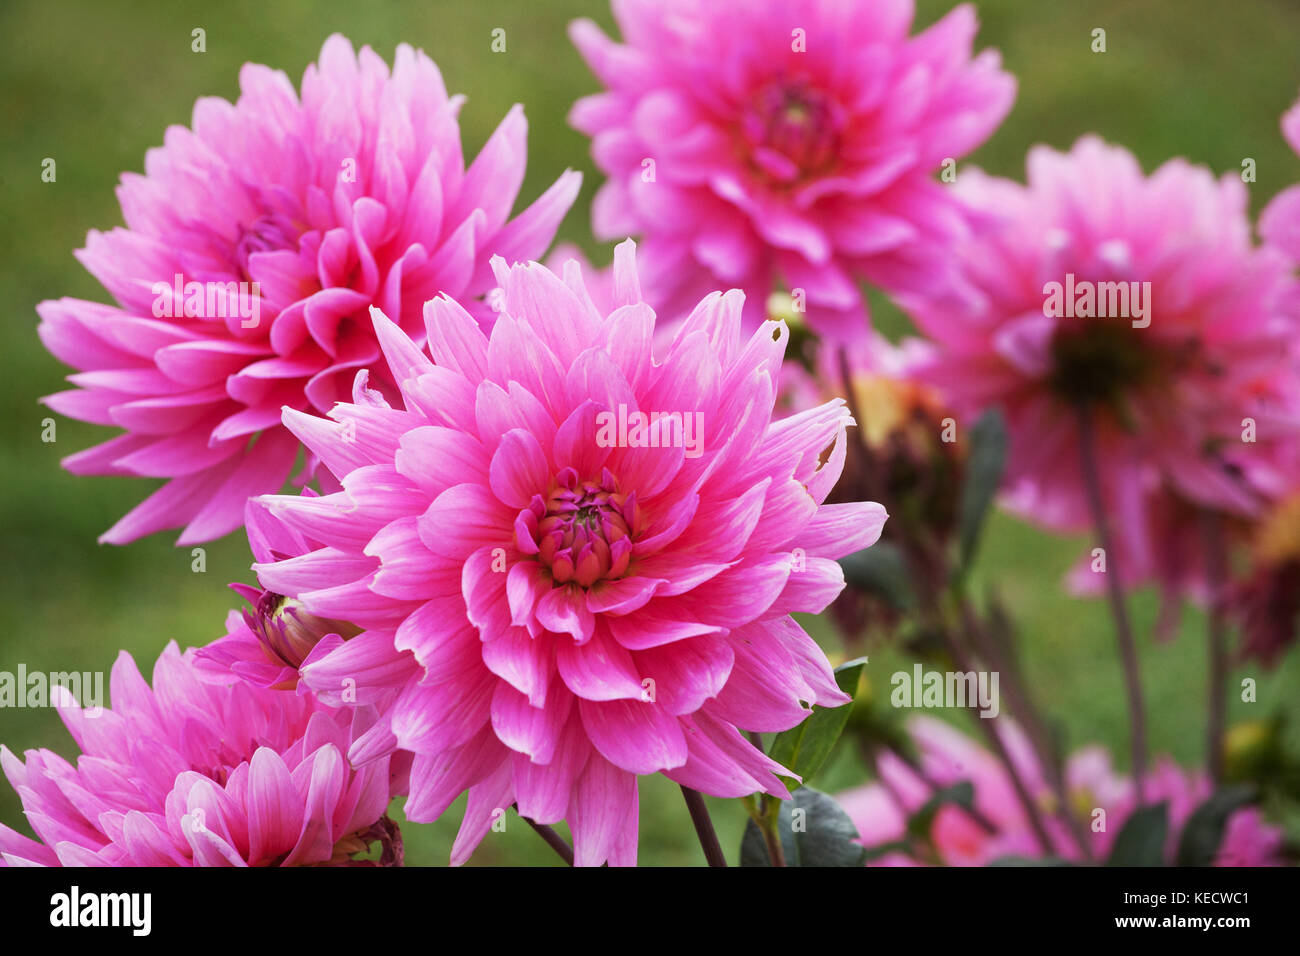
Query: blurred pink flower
1279, 223
356, 194
192, 773
757, 142
880, 810
556, 608
1169, 399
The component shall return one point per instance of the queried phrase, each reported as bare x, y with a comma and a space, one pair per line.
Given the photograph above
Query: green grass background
94, 84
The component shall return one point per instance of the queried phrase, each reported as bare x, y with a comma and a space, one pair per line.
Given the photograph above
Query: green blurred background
94, 85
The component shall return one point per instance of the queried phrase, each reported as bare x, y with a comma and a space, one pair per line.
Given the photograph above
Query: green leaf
880, 571
814, 831
1142, 840
1203, 832
984, 464
803, 749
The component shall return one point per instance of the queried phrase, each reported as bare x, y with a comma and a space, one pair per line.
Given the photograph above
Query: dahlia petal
599, 669
438, 779
563, 610
488, 799
637, 736
685, 675
526, 729
519, 469
274, 807
603, 815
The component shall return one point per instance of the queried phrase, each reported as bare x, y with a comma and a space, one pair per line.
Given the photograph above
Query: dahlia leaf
988, 455
803, 749
1199, 843
1142, 840
814, 831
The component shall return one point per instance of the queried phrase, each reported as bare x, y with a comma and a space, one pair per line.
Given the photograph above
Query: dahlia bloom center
1099, 362
269, 233
792, 131
582, 531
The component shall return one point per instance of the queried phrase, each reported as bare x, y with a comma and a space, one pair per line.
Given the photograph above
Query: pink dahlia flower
193, 773
757, 142
254, 245
560, 598
1138, 301
881, 810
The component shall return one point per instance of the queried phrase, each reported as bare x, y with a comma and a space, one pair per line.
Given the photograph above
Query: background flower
352, 195
881, 810
1167, 401
751, 143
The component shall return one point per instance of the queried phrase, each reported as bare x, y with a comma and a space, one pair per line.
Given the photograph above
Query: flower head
757, 142
1138, 302
195, 773
574, 559
254, 245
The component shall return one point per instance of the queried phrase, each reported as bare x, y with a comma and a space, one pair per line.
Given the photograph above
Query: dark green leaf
881, 572
1203, 832
1142, 840
814, 831
803, 749
984, 464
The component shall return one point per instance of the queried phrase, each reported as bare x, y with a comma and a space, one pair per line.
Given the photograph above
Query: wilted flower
254, 246
1266, 601
998, 827
561, 594
908, 453
193, 773
757, 142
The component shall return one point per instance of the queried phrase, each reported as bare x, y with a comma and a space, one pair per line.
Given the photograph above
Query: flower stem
704, 827
1027, 802
1217, 652
1001, 655
553, 840
1118, 606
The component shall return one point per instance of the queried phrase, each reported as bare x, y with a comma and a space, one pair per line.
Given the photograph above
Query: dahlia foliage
552, 523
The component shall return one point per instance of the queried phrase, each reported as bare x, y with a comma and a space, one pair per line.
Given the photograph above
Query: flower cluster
553, 522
